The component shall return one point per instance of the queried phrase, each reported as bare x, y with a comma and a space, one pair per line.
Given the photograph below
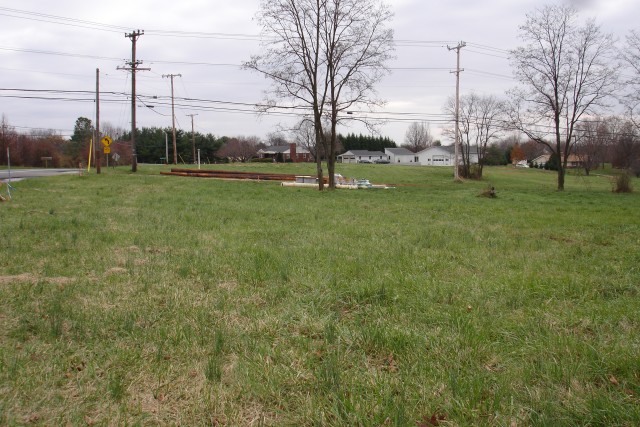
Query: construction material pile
225, 174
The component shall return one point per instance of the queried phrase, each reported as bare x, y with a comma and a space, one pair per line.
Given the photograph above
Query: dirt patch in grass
228, 286
24, 277
116, 270
32, 278
166, 401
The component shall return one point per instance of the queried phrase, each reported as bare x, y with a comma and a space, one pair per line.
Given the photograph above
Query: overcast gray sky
56, 47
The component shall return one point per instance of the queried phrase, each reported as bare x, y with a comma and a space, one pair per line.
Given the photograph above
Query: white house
573, 161
443, 156
362, 156
401, 156
541, 160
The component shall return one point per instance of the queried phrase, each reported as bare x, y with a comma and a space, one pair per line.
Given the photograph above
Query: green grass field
151, 300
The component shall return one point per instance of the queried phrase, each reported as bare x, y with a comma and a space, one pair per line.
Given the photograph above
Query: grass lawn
147, 299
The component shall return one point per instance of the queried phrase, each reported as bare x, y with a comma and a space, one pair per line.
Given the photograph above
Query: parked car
382, 162
364, 161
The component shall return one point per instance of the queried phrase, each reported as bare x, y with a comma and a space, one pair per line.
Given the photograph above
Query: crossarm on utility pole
133, 67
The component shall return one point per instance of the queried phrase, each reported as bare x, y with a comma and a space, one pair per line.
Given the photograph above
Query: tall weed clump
622, 183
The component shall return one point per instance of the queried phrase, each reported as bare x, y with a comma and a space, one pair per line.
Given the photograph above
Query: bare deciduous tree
624, 143
325, 56
564, 72
631, 55
7, 134
276, 139
592, 139
116, 133
304, 135
481, 121
239, 149
418, 137
532, 149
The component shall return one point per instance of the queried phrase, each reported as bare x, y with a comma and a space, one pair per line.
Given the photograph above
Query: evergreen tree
80, 140
363, 142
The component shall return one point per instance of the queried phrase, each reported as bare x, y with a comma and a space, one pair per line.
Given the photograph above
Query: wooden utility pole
134, 36
96, 145
173, 118
193, 137
456, 174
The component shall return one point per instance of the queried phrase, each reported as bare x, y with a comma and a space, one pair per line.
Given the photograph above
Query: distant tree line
152, 144
48, 148
611, 140
37, 148
365, 142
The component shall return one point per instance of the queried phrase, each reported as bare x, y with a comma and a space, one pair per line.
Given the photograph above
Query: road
19, 174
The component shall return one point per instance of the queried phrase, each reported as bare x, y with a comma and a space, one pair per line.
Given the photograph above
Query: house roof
275, 149
363, 153
399, 151
573, 158
451, 149
544, 158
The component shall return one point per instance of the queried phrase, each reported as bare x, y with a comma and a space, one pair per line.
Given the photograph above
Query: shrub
622, 183
470, 172
553, 163
635, 168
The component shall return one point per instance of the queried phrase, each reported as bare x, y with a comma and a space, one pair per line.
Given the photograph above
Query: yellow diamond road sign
106, 141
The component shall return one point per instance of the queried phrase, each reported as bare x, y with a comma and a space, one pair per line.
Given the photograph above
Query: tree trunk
320, 175
331, 162
319, 138
561, 173
331, 156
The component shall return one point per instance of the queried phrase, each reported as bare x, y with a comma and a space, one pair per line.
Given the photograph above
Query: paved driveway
19, 174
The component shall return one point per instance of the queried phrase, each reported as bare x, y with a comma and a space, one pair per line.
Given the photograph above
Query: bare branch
564, 75
326, 55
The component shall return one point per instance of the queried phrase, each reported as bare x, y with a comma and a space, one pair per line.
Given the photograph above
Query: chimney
292, 153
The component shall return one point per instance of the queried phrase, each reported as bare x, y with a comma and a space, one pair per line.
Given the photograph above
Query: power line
486, 73
488, 54
65, 54
211, 105
485, 47
53, 19
81, 23
61, 20
110, 58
